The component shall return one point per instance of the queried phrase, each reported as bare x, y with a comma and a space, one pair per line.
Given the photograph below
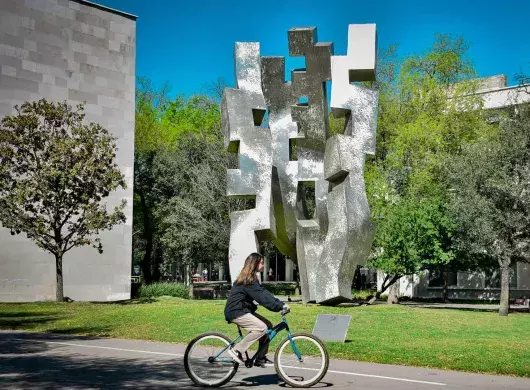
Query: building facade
77, 51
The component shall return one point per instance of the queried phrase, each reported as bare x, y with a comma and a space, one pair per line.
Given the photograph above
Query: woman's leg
255, 328
264, 339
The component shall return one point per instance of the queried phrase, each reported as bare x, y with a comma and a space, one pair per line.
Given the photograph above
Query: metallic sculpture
329, 244
350, 230
243, 110
279, 98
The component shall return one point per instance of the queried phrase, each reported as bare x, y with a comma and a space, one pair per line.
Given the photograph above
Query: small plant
361, 294
154, 290
280, 288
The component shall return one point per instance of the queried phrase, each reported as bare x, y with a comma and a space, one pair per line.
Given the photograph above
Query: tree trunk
59, 292
446, 284
391, 280
505, 290
156, 264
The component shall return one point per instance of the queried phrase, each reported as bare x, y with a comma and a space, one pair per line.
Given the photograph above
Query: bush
362, 294
164, 289
280, 288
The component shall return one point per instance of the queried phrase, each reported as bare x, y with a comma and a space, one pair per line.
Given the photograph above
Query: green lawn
447, 339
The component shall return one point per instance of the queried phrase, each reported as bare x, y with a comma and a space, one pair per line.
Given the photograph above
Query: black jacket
240, 300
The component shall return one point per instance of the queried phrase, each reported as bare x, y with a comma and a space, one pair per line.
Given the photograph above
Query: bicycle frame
271, 333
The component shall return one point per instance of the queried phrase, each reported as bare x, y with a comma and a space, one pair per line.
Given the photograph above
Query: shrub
280, 288
164, 289
362, 294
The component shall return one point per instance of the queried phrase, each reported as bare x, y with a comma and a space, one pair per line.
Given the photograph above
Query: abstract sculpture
329, 244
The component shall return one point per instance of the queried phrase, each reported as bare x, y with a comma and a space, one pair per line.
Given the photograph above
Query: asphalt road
54, 361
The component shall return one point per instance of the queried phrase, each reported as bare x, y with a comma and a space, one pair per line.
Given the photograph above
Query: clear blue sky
190, 43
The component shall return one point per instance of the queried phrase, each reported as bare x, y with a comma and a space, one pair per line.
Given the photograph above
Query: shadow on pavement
40, 360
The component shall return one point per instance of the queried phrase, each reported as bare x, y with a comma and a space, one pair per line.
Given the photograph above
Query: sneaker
262, 362
236, 355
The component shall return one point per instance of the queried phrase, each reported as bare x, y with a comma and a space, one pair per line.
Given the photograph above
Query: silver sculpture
329, 244
243, 110
279, 98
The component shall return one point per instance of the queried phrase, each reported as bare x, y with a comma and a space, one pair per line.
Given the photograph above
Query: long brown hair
247, 276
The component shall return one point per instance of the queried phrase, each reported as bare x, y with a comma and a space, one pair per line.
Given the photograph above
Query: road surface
58, 361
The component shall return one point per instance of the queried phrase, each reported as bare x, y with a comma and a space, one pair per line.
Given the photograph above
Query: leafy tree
164, 130
490, 183
427, 109
415, 235
54, 173
149, 138
193, 213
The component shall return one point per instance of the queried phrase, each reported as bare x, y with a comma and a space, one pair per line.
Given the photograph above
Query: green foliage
413, 235
193, 208
161, 121
181, 211
361, 295
427, 109
155, 290
54, 173
280, 288
491, 194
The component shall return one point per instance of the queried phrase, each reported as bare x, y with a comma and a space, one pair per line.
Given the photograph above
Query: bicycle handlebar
285, 311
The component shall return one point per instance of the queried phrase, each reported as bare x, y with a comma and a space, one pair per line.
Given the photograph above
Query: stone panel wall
77, 51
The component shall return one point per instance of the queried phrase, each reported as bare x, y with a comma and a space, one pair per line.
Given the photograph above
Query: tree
490, 184
415, 235
149, 137
193, 213
54, 173
427, 109
163, 127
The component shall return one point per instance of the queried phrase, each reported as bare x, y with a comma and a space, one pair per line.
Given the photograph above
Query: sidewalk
464, 306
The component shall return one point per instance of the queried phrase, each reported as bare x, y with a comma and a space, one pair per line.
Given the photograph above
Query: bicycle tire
285, 378
191, 374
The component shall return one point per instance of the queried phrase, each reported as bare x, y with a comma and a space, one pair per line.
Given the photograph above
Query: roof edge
108, 9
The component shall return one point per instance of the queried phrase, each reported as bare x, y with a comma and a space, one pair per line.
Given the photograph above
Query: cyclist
241, 310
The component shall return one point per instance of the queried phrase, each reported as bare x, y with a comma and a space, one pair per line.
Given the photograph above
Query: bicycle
213, 367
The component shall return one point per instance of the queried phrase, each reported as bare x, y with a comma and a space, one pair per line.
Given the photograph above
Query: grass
446, 339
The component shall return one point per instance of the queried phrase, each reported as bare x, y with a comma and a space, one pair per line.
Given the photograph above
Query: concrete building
72, 50
475, 285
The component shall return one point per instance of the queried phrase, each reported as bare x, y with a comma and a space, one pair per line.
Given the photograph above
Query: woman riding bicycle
241, 310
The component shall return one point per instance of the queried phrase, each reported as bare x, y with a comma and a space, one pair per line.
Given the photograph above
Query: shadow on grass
27, 320
95, 331
137, 301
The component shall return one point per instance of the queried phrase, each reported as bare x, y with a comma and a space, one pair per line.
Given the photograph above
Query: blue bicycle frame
271, 333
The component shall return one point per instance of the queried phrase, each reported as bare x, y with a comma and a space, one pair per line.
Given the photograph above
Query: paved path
53, 361
464, 306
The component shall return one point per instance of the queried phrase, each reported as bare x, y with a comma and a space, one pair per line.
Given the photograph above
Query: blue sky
190, 43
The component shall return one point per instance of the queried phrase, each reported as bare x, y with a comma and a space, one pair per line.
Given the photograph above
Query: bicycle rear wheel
204, 363
307, 370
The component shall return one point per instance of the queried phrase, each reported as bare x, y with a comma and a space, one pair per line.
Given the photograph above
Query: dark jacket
240, 300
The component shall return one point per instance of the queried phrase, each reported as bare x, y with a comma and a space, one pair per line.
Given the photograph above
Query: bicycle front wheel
302, 362
206, 363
